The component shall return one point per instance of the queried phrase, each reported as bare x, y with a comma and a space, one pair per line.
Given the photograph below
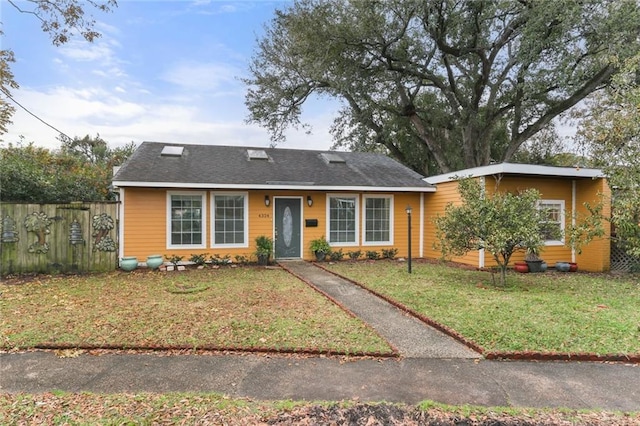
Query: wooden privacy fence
53, 238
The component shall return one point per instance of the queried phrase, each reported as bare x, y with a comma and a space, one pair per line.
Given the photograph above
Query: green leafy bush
372, 255
336, 255
198, 259
389, 253
354, 255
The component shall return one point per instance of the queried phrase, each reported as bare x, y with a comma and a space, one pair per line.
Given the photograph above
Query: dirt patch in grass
231, 308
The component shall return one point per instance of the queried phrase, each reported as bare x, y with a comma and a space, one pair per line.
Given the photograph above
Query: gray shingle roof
210, 166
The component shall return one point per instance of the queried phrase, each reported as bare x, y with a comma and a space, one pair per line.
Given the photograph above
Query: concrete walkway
412, 337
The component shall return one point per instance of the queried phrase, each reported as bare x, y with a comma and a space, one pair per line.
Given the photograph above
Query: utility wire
8, 95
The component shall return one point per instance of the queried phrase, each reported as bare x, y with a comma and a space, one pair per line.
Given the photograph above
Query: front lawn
550, 312
235, 308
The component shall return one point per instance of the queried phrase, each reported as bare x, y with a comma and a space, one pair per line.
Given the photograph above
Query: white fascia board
272, 187
516, 169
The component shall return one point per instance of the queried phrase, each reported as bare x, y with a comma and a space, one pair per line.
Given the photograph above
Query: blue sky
162, 71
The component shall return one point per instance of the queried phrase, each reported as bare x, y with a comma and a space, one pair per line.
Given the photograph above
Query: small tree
501, 224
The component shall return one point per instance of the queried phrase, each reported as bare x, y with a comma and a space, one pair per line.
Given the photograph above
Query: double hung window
553, 225
230, 220
378, 220
186, 226
343, 219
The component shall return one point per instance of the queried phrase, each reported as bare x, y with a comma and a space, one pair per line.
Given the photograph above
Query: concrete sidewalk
412, 337
452, 381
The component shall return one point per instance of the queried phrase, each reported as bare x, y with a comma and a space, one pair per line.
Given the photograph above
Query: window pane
377, 219
186, 222
342, 220
552, 227
229, 219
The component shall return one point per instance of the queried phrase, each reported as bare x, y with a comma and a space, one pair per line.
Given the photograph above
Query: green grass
61, 408
241, 308
551, 312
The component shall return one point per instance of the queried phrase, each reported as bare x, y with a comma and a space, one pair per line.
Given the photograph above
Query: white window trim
213, 219
559, 242
354, 243
203, 218
364, 220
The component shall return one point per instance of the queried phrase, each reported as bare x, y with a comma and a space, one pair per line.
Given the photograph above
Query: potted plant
320, 247
532, 257
264, 247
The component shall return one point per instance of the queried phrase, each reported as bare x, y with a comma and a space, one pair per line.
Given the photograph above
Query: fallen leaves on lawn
69, 353
215, 409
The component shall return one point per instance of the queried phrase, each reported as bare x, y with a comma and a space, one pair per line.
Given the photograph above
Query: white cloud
199, 77
78, 112
80, 50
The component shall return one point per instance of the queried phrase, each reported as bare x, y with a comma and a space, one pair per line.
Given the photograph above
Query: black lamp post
408, 210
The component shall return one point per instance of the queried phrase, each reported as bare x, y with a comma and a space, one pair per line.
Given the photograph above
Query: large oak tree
439, 84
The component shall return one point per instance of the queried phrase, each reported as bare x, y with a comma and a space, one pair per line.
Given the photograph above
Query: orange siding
550, 189
596, 256
435, 204
145, 222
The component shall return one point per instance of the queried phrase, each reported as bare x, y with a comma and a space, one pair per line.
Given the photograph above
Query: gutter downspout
121, 225
481, 251
421, 248
573, 215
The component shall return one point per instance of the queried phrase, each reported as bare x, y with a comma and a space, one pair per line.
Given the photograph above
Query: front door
287, 227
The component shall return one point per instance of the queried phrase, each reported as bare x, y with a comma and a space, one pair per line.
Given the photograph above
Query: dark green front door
287, 227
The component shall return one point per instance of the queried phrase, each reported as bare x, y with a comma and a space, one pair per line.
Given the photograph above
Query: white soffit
516, 169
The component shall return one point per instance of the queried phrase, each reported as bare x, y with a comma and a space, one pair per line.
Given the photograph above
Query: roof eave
178, 185
517, 169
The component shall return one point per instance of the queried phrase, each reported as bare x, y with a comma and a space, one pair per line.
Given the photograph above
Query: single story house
180, 199
563, 191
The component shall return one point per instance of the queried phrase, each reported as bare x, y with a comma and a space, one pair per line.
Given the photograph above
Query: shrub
389, 253
336, 256
242, 260
354, 255
174, 258
373, 255
217, 260
198, 259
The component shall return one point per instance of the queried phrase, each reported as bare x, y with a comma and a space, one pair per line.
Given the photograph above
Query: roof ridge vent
332, 158
257, 154
172, 151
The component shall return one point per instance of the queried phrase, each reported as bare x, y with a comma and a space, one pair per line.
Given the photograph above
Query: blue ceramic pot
128, 263
562, 266
154, 261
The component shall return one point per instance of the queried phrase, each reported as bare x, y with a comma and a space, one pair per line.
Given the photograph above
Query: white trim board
516, 169
214, 186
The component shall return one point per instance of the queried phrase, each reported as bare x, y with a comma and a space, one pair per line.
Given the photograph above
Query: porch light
408, 210
309, 201
267, 201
